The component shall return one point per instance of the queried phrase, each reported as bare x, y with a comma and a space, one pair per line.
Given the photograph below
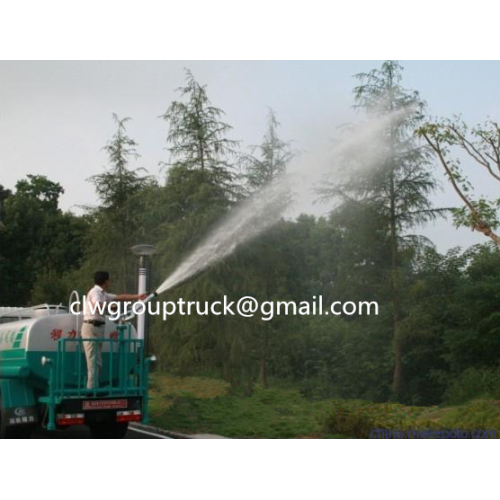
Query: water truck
43, 374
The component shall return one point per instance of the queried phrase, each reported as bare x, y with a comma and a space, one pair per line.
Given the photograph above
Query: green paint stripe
13, 354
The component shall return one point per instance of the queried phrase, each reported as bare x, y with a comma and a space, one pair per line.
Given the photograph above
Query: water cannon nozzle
150, 297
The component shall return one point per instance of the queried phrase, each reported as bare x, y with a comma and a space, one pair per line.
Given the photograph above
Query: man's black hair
100, 277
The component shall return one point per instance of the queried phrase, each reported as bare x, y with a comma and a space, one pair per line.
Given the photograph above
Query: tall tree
118, 219
397, 184
197, 135
270, 159
201, 186
266, 163
201, 182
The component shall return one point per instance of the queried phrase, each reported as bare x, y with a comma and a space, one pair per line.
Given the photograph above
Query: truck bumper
92, 411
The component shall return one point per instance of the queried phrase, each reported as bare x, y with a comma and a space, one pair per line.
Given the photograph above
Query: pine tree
198, 138
397, 185
266, 163
117, 219
117, 184
201, 187
270, 159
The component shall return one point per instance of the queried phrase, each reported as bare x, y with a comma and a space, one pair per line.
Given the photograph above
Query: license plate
105, 404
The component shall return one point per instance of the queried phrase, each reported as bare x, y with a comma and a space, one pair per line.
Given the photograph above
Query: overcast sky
56, 116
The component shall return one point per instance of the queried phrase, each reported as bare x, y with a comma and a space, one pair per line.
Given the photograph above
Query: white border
258, 29
249, 469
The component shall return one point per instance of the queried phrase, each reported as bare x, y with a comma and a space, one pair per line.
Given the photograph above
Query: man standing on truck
94, 322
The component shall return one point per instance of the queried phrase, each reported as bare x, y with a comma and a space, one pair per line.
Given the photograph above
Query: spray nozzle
129, 316
151, 296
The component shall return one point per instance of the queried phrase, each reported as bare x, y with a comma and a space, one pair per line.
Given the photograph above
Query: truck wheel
109, 430
13, 432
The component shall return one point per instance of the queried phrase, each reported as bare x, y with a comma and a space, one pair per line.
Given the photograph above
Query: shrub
359, 418
474, 383
476, 415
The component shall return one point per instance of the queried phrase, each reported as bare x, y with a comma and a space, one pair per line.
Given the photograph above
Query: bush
360, 418
476, 415
474, 383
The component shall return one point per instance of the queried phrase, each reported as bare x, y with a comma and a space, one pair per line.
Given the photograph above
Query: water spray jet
267, 206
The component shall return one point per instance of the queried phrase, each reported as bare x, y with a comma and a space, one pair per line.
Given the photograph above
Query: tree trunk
226, 371
398, 366
396, 340
263, 373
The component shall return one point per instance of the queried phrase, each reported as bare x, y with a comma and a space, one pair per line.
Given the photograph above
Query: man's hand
142, 296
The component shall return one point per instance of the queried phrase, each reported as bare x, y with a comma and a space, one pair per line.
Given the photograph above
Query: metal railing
124, 372
9, 314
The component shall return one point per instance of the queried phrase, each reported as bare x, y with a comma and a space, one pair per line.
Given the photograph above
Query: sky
55, 117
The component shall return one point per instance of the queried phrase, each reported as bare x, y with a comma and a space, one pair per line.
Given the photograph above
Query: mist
363, 141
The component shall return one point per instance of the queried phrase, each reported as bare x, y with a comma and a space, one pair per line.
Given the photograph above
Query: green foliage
119, 222
476, 415
473, 383
361, 418
116, 185
270, 159
200, 188
381, 192
441, 310
196, 405
197, 136
489, 212
481, 146
36, 238
266, 414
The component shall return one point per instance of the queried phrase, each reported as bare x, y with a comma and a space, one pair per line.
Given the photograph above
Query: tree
395, 185
201, 186
270, 159
201, 183
38, 239
117, 220
197, 136
4, 194
482, 145
266, 164
453, 325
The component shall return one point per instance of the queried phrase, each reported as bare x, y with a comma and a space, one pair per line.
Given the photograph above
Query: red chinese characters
56, 334
113, 335
72, 334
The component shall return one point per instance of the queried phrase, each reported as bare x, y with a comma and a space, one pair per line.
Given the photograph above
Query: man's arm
122, 297
128, 296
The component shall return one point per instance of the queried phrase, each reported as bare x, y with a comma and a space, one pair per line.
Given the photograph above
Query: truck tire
13, 432
109, 430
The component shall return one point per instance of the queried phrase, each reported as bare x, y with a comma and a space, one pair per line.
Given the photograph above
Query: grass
204, 405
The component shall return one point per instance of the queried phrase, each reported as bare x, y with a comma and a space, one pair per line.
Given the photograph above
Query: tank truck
43, 374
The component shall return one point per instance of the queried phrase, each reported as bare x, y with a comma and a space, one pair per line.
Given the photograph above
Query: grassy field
202, 405
205, 405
